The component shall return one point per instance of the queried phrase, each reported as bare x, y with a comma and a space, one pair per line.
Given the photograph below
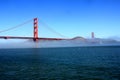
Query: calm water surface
78, 63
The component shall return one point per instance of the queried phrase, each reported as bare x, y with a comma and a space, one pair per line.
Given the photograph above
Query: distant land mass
95, 41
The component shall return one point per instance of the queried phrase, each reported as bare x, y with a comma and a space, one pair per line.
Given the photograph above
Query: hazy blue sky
68, 17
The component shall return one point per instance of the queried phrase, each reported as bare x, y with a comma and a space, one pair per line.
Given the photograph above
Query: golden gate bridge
35, 37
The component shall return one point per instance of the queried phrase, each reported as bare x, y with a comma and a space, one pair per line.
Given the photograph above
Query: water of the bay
75, 63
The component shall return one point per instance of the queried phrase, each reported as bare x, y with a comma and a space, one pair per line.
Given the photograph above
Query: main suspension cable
51, 29
20, 25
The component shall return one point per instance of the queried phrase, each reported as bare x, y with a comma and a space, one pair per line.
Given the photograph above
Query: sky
70, 18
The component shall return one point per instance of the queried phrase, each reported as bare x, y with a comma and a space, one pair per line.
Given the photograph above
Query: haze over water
72, 42
75, 63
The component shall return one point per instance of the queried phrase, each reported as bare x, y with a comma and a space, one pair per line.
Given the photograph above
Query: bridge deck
14, 37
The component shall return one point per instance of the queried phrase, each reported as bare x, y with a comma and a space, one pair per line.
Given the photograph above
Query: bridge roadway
14, 37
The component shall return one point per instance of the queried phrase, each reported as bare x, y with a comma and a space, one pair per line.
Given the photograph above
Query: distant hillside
78, 38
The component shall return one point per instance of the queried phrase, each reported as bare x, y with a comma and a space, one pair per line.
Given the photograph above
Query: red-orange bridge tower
35, 32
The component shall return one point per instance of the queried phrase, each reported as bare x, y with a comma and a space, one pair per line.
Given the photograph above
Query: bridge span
35, 37
14, 37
